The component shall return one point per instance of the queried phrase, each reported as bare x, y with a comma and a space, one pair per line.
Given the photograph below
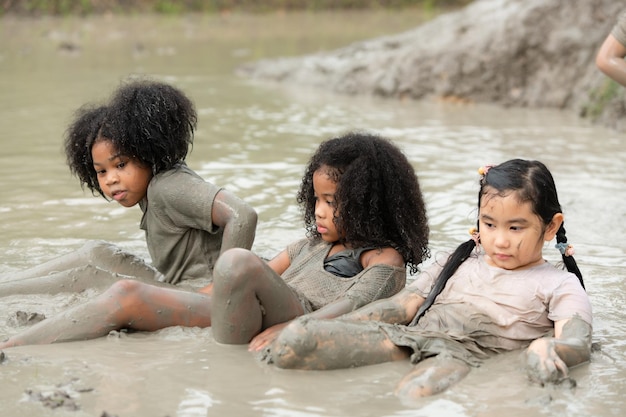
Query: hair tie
565, 248
475, 235
482, 171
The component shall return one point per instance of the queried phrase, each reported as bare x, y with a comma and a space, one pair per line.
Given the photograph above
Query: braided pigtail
567, 253
455, 260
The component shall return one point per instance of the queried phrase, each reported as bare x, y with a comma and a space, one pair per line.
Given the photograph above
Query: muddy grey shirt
182, 240
619, 30
317, 287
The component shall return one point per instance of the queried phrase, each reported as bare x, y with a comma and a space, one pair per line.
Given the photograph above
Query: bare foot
432, 376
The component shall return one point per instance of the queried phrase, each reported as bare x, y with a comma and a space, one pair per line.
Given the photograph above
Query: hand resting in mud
548, 359
334, 309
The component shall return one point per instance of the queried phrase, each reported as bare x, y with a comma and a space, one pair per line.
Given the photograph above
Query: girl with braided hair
494, 293
366, 224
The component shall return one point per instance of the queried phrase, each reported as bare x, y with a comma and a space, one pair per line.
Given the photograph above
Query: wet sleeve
187, 201
619, 30
568, 300
294, 248
376, 282
425, 281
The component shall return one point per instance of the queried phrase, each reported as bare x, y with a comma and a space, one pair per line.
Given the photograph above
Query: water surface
254, 139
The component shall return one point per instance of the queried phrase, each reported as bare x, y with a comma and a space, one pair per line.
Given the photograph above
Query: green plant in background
168, 7
600, 98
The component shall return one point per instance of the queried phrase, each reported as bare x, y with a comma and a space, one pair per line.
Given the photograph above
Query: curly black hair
149, 121
379, 201
79, 139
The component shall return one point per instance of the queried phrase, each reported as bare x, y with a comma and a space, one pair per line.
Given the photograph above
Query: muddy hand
266, 337
543, 364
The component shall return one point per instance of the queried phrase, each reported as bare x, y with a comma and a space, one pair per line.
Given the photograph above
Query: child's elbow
602, 63
249, 216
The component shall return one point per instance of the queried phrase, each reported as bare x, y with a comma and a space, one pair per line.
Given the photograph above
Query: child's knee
125, 288
235, 265
96, 247
294, 344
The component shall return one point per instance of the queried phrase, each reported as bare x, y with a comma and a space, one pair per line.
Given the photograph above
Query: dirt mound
534, 53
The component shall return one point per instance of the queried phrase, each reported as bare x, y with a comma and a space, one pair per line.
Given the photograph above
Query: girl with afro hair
366, 225
132, 150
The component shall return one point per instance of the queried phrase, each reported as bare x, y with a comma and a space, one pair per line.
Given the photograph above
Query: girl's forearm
239, 232
398, 309
574, 343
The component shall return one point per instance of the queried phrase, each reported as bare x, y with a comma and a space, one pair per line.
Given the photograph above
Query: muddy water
253, 139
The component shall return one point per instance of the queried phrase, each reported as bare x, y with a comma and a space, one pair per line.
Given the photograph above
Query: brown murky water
254, 139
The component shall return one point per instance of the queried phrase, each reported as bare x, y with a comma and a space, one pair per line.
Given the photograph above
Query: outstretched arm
548, 359
610, 59
237, 218
398, 309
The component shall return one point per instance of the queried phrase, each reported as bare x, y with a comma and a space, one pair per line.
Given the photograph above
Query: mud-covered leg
128, 304
432, 376
248, 297
97, 264
330, 344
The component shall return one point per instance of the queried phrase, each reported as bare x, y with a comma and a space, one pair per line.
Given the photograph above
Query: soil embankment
534, 53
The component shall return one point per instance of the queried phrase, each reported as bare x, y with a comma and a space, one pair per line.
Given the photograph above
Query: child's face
121, 178
324, 189
510, 233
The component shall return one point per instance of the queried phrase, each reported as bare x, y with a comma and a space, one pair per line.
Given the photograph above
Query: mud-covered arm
548, 359
402, 307
237, 218
398, 309
383, 276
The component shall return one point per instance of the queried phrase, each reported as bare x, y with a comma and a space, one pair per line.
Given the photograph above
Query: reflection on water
254, 139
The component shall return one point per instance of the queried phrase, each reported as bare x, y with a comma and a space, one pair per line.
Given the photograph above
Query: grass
175, 7
600, 98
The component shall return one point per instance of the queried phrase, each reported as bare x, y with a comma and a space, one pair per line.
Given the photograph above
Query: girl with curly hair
132, 150
494, 293
366, 223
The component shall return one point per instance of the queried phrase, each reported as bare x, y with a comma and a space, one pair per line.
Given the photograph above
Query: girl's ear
553, 227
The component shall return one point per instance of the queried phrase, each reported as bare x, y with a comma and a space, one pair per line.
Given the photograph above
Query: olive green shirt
619, 30
182, 240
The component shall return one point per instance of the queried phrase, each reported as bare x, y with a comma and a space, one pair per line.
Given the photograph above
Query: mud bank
525, 53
